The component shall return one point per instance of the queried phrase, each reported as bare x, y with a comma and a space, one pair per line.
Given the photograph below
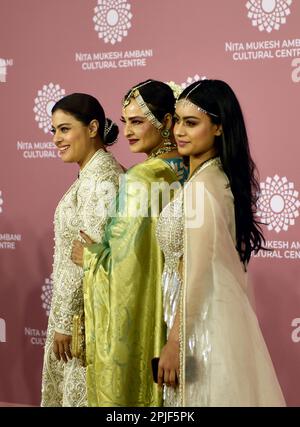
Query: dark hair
216, 97
86, 108
158, 96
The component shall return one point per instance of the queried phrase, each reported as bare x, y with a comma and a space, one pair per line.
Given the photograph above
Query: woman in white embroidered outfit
215, 348
81, 133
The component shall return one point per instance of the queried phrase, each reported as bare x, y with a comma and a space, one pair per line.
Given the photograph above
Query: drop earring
166, 146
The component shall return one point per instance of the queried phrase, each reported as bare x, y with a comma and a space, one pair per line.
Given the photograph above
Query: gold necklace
166, 148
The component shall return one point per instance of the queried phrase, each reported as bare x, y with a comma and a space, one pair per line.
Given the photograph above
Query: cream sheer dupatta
224, 359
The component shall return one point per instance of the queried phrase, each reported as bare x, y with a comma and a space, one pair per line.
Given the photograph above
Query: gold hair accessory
186, 102
107, 128
131, 93
135, 94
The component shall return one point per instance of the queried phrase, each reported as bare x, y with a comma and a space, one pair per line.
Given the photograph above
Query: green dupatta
123, 300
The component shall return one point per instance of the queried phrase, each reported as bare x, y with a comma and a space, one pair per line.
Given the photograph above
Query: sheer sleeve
207, 235
224, 359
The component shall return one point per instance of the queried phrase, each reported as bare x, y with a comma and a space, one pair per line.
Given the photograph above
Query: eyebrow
188, 117
133, 118
62, 124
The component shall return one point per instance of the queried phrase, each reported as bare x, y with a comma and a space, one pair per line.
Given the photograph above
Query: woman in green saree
122, 285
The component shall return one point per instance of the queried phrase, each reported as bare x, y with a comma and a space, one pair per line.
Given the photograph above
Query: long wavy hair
216, 96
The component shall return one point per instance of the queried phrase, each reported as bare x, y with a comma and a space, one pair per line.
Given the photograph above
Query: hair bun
111, 132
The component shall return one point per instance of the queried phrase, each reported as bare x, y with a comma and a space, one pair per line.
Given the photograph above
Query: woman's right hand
168, 367
62, 346
169, 361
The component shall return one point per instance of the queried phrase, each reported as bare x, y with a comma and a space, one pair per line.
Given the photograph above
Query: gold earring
165, 133
166, 147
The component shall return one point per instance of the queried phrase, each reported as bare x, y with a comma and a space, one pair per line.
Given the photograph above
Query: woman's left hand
77, 253
168, 367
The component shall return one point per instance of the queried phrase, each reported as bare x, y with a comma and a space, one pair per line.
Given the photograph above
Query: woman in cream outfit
215, 349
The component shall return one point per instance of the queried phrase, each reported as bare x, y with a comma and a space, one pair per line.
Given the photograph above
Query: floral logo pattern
268, 15
112, 20
44, 102
3, 70
278, 203
191, 80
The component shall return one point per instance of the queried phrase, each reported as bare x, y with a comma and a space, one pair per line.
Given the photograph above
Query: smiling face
194, 132
73, 138
143, 137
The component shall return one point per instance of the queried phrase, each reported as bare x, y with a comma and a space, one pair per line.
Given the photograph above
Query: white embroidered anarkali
224, 360
83, 207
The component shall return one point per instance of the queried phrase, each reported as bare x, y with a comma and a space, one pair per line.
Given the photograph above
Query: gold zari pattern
123, 299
